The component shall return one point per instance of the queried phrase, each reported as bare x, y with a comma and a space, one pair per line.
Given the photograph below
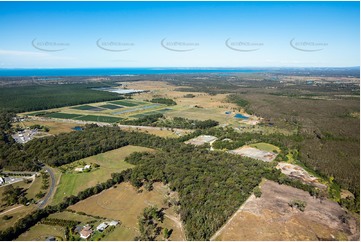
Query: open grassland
55, 126
164, 132
34, 188
112, 161
42, 231
68, 215
124, 203
271, 218
266, 147
17, 212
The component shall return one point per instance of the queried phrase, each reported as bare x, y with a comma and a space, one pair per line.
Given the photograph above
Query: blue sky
194, 34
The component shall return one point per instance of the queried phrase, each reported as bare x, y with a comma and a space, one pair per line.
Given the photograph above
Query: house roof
102, 226
113, 223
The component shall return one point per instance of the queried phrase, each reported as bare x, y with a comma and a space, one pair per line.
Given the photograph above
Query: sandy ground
201, 140
255, 153
271, 218
297, 172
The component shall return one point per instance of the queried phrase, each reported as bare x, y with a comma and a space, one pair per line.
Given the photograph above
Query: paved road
51, 190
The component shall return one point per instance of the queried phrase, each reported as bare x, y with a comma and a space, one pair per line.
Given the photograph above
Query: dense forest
166, 101
40, 97
158, 120
211, 185
321, 113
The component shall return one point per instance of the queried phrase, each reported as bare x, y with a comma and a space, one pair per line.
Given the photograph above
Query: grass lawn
105, 119
41, 232
110, 162
266, 147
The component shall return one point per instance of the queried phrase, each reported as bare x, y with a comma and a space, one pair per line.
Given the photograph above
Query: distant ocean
117, 71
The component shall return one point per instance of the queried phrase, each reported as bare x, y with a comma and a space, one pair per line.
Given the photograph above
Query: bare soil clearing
271, 218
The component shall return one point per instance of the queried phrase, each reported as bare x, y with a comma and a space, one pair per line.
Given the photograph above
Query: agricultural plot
109, 162
42, 232
88, 108
138, 109
125, 204
61, 115
103, 119
142, 115
110, 106
270, 217
254, 153
126, 103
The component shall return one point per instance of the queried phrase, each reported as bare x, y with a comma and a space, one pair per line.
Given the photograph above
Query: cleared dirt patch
201, 140
254, 153
271, 218
297, 172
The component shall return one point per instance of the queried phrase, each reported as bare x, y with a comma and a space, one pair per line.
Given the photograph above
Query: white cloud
22, 53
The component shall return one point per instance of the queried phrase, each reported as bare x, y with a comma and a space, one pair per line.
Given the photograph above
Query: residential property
113, 223
102, 226
86, 232
50, 238
81, 169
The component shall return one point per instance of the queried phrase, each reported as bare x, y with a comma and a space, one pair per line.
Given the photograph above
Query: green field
266, 147
61, 115
112, 161
120, 232
105, 119
84, 107
110, 106
72, 216
161, 111
41, 232
126, 103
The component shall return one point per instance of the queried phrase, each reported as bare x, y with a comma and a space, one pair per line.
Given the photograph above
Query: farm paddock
125, 203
